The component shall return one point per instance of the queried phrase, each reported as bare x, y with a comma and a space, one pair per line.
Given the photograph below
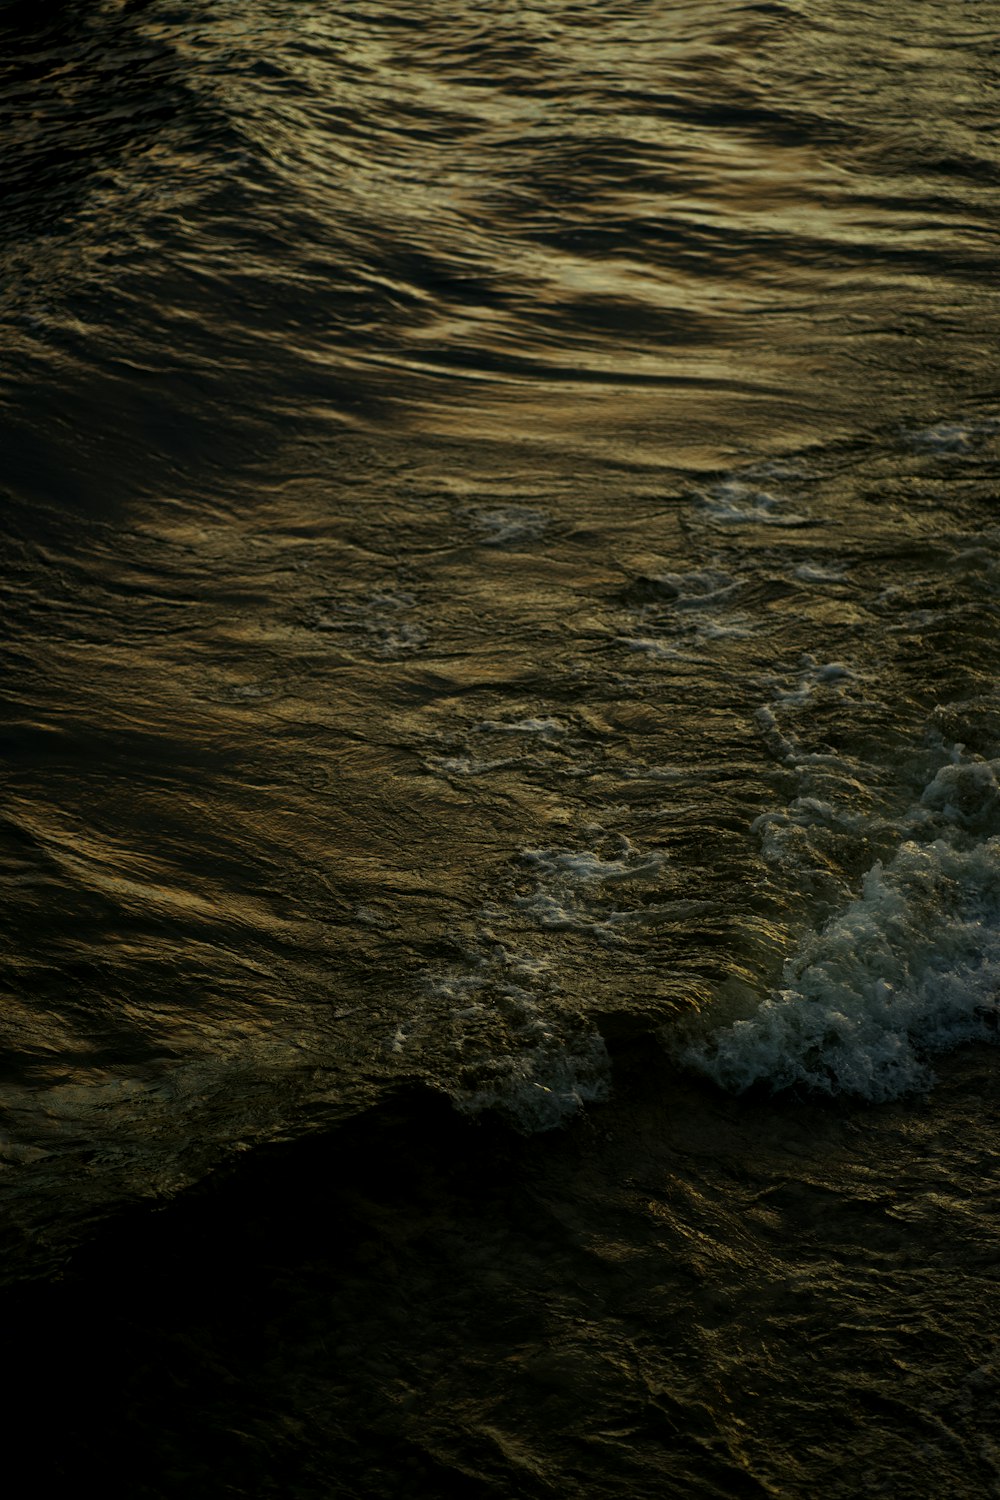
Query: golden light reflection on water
335, 684
710, 197
345, 762
461, 226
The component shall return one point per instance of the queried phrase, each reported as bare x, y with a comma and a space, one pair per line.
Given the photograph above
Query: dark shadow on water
675, 1296
238, 1342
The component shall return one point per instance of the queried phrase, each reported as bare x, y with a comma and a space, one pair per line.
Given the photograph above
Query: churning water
501, 573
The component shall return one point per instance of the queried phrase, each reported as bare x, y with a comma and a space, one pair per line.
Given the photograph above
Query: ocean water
501, 816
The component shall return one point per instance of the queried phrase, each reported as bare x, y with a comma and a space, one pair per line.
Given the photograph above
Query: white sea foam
734, 502
955, 438
965, 792
519, 1048
499, 1026
737, 627
699, 588
781, 745
377, 625
682, 611
685, 647
835, 676
504, 525
507, 1040
650, 646
811, 572
583, 867
777, 830
911, 967
833, 680
582, 891
908, 968
466, 765
557, 913
546, 728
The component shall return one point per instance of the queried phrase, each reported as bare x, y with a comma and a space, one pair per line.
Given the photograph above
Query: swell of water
502, 581
681, 230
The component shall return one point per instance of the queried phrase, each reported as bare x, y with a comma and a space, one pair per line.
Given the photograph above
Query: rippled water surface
502, 737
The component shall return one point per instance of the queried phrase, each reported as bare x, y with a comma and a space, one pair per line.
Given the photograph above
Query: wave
909, 968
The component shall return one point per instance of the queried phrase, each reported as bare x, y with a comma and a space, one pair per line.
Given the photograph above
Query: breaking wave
909, 968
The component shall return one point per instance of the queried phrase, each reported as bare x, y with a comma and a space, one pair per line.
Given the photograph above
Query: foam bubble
504, 525
911, 967
966, 793
733, 502
696, 589
546, 728
378, 625
955, 438
582, 891
511, 1045
466, 765
834, 676
584, 867
692, 609
810, 572
649, 646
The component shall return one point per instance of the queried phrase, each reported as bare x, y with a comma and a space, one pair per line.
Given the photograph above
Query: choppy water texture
502, 818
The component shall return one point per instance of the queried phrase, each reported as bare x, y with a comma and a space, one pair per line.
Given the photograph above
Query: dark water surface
501, 827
